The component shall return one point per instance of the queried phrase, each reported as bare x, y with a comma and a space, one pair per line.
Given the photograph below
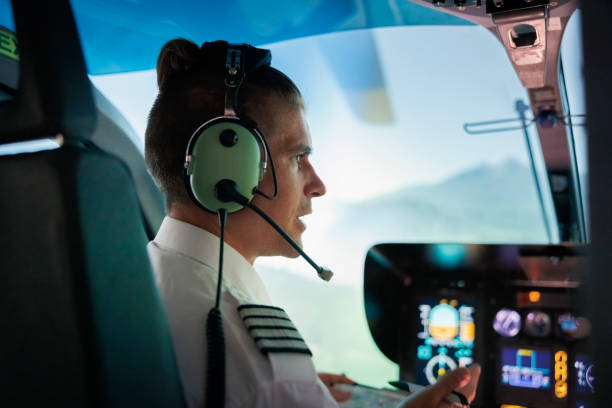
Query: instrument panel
445, 338
513, 309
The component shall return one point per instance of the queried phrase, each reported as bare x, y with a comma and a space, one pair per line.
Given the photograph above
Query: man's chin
292, 254
288, 250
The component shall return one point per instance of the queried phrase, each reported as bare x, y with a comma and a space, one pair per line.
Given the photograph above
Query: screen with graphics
526, 367
445, 338
585, 375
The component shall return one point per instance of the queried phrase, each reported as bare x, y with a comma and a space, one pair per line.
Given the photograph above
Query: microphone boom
226, 191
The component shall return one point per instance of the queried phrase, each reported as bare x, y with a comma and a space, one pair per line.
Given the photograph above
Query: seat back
82, 322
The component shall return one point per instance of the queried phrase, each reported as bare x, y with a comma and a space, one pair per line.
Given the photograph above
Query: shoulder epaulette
272, 329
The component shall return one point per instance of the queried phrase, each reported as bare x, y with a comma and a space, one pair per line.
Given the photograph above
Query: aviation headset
229, 152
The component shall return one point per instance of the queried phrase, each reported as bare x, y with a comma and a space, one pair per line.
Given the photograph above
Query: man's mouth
300, 221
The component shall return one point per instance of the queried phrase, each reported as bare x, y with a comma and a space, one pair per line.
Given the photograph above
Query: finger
452, 380
343, 379
331, 379
340, 396
434, 395
325, 378
469, 390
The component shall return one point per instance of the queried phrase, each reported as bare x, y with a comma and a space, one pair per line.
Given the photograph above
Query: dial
538, 324
507, 323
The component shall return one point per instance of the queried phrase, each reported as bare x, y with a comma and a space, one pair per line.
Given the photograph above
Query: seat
82, 323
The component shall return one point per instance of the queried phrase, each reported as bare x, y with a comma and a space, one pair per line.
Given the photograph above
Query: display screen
445, 337
585, 375
526, 367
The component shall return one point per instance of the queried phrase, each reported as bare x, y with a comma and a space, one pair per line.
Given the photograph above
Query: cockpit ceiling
126, 35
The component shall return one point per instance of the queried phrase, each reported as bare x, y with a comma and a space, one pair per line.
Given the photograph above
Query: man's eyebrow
301, 148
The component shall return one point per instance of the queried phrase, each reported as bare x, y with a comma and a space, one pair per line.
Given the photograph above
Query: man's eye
299, 157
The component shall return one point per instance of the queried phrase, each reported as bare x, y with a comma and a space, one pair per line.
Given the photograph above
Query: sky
431, 95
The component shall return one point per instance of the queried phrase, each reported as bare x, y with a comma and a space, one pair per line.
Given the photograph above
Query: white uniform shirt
185, 261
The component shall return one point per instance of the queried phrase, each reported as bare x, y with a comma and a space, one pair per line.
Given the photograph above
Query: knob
228, 137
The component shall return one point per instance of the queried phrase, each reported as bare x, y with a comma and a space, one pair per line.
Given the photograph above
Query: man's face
290, 145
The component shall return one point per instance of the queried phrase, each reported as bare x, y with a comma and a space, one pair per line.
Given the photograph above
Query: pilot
185, 252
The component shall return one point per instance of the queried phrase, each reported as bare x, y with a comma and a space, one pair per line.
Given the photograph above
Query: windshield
386, 109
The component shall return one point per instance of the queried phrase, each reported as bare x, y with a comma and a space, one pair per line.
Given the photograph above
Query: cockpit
465, 216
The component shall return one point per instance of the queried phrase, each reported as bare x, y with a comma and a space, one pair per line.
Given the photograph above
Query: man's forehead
293, 143
292, 133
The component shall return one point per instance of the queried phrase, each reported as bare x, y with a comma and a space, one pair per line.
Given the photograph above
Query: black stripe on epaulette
279, 338
259, 306
267, 350
274, 345
272, 328
265, 317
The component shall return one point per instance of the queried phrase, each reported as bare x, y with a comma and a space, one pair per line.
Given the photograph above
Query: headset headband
240, 60
220, 143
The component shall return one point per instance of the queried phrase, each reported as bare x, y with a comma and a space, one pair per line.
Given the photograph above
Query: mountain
489, 203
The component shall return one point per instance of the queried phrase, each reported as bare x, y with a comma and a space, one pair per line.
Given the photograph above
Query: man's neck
208, 221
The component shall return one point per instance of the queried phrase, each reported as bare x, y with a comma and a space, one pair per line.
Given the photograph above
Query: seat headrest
54, 92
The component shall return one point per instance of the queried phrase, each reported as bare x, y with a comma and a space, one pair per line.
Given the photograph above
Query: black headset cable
215, 375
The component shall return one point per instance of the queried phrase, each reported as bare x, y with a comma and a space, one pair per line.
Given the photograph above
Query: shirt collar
203, 246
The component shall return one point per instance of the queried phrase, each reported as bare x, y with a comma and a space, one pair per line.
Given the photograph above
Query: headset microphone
226, 191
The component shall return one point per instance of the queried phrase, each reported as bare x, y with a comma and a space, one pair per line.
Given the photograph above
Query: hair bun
176, 57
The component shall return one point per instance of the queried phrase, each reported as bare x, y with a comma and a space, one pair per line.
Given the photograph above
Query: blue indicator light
449, 255
463, 353
424, 352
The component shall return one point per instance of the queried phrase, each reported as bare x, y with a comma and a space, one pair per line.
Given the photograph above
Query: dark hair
192, 91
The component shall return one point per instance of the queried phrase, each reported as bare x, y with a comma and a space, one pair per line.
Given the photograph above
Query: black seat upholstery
82, 323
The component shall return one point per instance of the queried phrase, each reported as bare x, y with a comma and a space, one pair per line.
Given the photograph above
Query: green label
8, 44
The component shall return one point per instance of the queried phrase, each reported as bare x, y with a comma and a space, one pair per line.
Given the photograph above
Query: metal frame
597, 36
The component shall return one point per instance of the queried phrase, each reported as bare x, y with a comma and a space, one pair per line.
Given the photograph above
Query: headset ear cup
224, 148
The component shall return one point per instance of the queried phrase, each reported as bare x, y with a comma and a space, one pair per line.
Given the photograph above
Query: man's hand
469, 390
464, 380
330, 379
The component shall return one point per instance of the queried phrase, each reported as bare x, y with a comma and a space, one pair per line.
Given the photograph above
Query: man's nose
315, 187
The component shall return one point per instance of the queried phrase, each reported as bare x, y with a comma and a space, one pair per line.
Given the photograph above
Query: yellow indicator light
560, 374
511, 406
467, 331
561, 356
560, 390
534, 296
